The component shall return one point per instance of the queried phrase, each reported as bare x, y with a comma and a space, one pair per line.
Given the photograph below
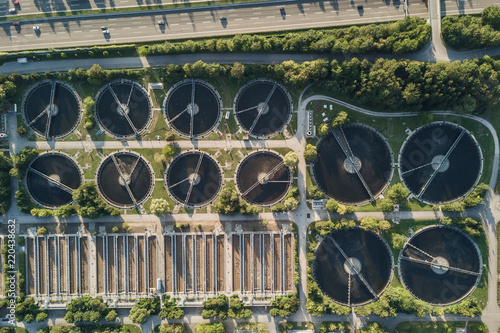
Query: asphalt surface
456, 7
198, 22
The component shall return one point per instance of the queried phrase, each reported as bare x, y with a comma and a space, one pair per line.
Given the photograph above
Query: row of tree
407, 35
467, 32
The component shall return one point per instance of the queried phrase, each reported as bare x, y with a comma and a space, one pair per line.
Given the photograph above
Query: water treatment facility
257, 183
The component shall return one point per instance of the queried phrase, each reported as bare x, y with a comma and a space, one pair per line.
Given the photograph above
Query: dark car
223, 19
282, 10
360, 7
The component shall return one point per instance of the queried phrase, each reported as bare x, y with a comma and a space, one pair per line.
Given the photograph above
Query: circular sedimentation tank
440, 265
353, 266
51, 179
52, 109
440, 163
125, 179
263, 108
123, 109
192, 108
354, 164
193, 179
262, 178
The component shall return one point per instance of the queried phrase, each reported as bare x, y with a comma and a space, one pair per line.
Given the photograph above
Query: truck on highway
22, 60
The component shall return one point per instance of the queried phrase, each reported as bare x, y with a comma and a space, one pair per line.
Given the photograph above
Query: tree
170, 309
315, 193
323, 129
332, 205
22, 130
216, 307
86, 309
160, 207
291, 159
290, 204
111, 316
237, 71
210, 328
310, 153
96, 75
237, 310
386, 205
491, 16
397, 193
91, 204
115, 229
341, 119
343, 209
169, 136
142, 309
42, 231
284, 306
169, 151
369, 223
173, 328
397, 241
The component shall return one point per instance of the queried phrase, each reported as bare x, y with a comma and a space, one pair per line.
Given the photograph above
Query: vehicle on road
16, 24
104, 28
22, 60
223, 19
161, 23
16, 3
360, 7
12, 10
282, 11
36, 28
105, 32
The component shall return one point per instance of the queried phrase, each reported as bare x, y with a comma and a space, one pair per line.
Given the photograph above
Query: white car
36, 28
12, 10
105, 32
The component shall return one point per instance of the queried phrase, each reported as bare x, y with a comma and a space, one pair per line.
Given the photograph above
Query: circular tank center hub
124, 180
263, 108
352, 165
440, 164
352, 266
440, 265
52, 110
122, 109
56, 178
263, 178
194, 178
193, 109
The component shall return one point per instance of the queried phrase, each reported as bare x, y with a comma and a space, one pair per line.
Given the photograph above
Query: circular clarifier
263, 108
440, 163
52, 109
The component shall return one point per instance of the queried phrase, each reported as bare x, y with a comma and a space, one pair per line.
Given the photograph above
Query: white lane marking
254, 18
126, 28
239, 19
270, 17
142, 27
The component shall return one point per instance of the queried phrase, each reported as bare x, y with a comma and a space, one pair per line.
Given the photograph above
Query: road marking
349, 10
270, 17
316, 13
205, 22
142, 27
254, 18
126, 28
77, 31
383, 7
239, 19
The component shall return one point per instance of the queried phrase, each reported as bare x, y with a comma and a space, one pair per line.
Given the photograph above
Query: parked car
16, 24
105, 32
282, 11
36, 28
161, 22
223, 19
360, 7
16, 3
12, 10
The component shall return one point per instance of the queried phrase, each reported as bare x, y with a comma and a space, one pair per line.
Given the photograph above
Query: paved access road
198, 22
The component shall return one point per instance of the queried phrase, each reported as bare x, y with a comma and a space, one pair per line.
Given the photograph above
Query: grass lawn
122, 328
440, 327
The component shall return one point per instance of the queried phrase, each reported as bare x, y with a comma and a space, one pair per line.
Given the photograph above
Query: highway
198, 22
456, 7
51, 6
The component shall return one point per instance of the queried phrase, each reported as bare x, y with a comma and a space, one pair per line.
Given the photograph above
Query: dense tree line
170, 310
88, 309
5, 188
91, 204
466, 32
230, 203
172, 328
407, 35
145, 307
